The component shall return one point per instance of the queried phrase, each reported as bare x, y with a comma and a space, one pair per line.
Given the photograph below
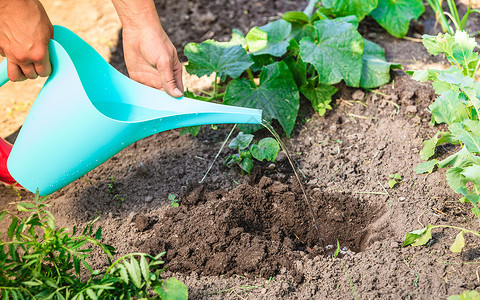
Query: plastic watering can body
87, 112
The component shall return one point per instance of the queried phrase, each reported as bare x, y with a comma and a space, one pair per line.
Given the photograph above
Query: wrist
136, 14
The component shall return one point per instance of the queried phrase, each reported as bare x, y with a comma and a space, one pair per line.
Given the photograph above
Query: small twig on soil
373, 193
417, 40
360, 117
384, 188
216, 156
439, 211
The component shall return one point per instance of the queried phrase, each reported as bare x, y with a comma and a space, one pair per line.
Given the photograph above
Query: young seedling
337, 251
394, 180
266, 149
173, 200
111, 185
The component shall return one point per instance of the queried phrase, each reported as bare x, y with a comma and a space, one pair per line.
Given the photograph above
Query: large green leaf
472, 174
447, 108
467, 134
342, 8
277, 95
375, 69
461, 159
269, 39
222, 58
456, 180
336, 53
395, 15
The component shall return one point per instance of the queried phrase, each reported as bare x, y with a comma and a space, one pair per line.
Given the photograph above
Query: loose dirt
252, 237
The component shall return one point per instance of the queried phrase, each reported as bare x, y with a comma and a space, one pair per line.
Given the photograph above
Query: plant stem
458, 228
215, 86
250, 76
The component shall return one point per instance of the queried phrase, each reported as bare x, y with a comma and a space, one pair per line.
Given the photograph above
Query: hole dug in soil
259, 229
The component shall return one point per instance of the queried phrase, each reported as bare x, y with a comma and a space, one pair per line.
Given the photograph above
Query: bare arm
25, 31
150, 56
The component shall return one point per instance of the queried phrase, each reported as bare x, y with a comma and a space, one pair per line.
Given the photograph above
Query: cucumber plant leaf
395, 15
267, 149
241, 141
375, 69
336, 53
269, 39
220, 57
342, 8
277, 95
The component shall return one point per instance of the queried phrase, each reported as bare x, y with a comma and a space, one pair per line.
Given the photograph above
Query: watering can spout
87, 112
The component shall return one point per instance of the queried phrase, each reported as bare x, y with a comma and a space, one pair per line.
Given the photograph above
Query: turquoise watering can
87, 112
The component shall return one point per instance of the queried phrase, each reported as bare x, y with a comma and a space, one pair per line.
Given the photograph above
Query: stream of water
305, 196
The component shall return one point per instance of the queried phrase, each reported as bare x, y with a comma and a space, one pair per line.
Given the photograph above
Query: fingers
15, 72
22, 71
171, 78
44, 68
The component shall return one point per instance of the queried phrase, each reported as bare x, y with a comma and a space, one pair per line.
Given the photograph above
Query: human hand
152, 59
25, 31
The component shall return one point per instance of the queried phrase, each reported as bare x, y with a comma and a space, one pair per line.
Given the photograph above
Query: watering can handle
3, 72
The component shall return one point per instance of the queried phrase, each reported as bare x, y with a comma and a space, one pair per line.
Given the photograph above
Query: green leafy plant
459, 23
394, 16
466, 295
173, 200
423, 236
266, 149
394, 180
111, 185
458, 106
40, 261
273, 64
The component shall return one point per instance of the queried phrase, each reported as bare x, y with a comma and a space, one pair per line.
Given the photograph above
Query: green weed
40, 261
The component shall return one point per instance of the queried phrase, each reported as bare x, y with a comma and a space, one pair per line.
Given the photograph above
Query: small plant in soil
173, 200
394, 180
266, 149
40, 261
111, 185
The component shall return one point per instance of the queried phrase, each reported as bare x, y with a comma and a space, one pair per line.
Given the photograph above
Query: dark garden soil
253, 237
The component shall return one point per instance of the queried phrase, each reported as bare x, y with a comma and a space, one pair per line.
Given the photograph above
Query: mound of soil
253, 229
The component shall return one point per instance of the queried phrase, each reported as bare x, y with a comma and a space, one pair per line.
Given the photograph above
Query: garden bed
253, 236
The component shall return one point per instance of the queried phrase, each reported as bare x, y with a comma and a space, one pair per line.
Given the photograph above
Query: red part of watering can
5, 149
